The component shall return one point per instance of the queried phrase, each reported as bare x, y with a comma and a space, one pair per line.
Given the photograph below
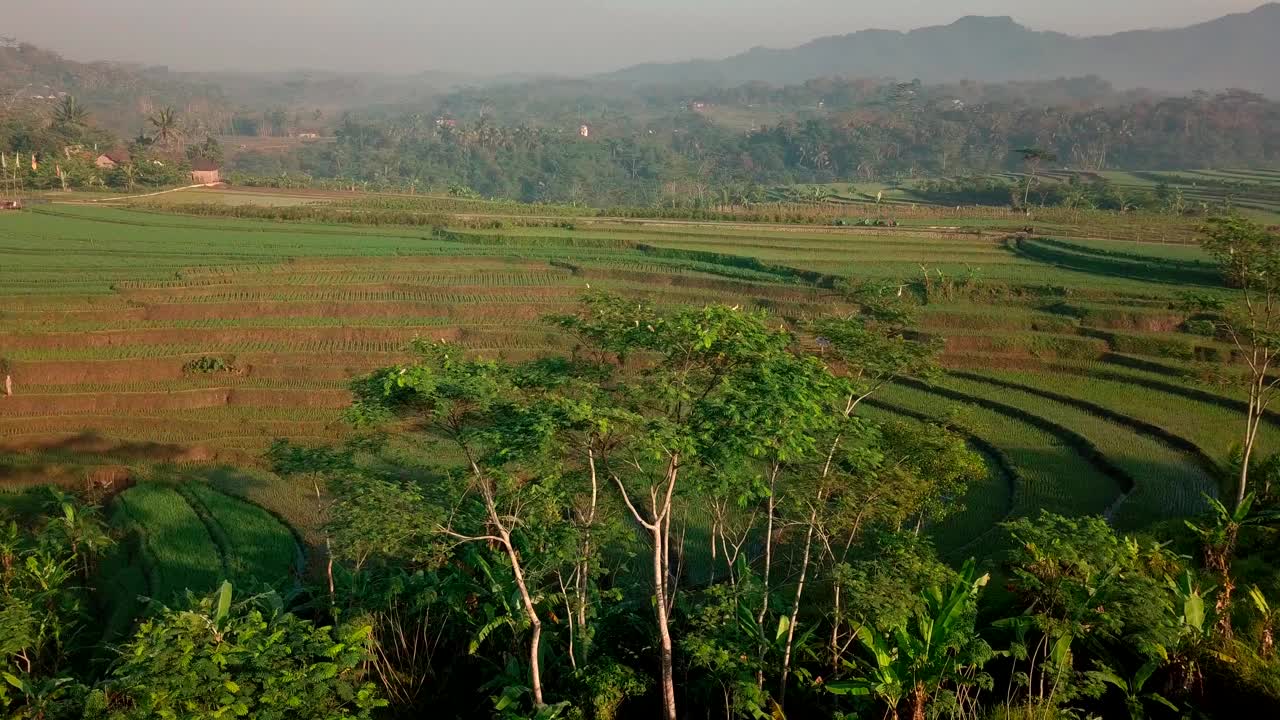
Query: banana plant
1135, 699
916, 660
39, 698
1219, 537
1267, 614
1196, 637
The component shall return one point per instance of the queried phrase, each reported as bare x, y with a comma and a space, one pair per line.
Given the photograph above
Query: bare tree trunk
918, 700
535, 670
768, 565
1247, 448
795, 608
660, 538
582, 585
1222, 608
667, 655
836, 620
328, 543
504, 538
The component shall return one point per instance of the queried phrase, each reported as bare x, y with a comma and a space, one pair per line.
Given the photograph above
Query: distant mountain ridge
1234, 51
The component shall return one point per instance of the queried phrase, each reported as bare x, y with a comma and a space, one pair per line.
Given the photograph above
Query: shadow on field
91, 443
1079, 259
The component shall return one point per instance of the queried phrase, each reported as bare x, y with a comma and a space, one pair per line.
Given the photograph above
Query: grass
177, 551
986, 503
258, 547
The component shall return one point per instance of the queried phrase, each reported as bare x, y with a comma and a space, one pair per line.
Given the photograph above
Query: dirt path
118, 198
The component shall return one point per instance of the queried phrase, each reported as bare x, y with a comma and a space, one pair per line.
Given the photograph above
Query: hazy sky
486, 36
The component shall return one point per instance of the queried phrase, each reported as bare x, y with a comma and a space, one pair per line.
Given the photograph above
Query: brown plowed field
156, 402
218, 337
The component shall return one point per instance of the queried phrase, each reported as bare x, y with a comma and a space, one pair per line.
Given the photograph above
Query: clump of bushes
1204, 328
209, 365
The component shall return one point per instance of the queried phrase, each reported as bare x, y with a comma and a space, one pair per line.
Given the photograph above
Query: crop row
1168, 483
258, 547
1054, 475
1214, 427
179, 554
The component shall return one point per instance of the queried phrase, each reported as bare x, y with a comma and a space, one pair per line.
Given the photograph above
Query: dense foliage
206, 657
689, 156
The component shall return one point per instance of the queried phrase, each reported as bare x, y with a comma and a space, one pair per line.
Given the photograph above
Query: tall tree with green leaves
678, 408
1248, 256
507, 487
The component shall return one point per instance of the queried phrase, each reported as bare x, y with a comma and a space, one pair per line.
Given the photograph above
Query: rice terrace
151, 339
502, 361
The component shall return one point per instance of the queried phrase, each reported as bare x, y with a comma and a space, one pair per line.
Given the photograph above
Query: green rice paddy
1067, 355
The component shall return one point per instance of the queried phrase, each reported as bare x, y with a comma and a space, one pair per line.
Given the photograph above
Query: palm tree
69, 113
164, 126
130, 173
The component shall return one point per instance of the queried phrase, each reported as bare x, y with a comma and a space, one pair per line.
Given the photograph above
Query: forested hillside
530, 152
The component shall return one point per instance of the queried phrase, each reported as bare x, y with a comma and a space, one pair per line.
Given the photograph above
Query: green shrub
209, 365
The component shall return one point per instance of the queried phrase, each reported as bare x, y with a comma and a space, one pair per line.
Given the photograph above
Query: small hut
112, 159
205, 172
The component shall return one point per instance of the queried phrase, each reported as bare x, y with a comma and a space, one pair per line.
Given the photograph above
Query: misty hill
119, 95
1235, 51
328, 91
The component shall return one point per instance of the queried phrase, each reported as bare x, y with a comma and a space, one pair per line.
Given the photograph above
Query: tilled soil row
143, 402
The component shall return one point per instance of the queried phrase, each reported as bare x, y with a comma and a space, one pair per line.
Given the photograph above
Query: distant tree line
687, 156
59, 149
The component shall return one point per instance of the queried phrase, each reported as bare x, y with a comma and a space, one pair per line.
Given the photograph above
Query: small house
112, 159
584, 130
205, 172
308, 135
